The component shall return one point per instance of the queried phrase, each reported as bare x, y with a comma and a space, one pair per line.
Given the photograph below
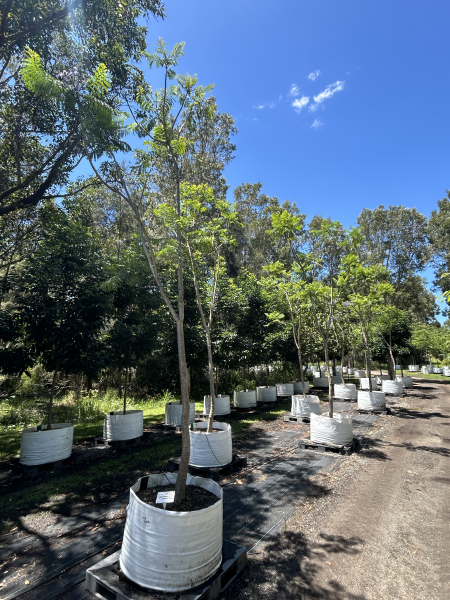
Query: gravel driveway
381, 532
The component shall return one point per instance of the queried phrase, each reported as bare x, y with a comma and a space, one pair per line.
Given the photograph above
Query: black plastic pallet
238, 463
308, 445
105, 580
33, 470
120, 444
381, 411
289, 418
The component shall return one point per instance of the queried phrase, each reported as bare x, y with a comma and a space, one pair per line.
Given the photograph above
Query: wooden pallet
336, 448
238, 463
105, 580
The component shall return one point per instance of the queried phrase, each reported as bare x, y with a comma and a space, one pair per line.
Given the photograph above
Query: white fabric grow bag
285, 389
407, 381
118, 426
42, 447
298, 387
345, 391
337, 430
303, 407
392, 387
266, 394
221, 405
174, 411
172, 551
211, 449
371, 400
364, 383
360, 373
413, 368
245, 399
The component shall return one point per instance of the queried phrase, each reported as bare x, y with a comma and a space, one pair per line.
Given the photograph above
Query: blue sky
340, 105
379, 100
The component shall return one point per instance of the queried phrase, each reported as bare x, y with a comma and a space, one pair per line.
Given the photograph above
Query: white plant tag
165, 498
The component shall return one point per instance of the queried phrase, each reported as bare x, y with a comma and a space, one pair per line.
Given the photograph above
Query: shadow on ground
288, 568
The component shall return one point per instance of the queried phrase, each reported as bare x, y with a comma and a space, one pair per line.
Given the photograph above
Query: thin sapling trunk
52, 395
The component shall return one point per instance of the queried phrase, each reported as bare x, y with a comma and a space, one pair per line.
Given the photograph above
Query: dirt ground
382, 532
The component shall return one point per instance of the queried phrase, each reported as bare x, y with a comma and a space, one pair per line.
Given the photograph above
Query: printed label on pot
165, 497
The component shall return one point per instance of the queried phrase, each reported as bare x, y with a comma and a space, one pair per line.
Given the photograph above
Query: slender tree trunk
211, 381
245, 379
180, 488
330, 382
302, 378
226, 381
52, 395
125, 392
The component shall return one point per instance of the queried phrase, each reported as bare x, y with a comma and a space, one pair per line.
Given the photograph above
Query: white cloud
294, 91
262, 105
300, 103
314, 75
317, 124
329, 91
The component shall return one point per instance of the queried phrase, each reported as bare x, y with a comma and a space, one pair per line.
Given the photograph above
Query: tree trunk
180, 488
52, 395
330, 382
125, 391
302, 378
211, 381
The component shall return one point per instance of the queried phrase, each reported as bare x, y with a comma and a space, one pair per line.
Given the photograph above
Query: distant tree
61, 305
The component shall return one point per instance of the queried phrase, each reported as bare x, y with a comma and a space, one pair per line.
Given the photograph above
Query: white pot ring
438, 371
174, 410
427, 370
171, 551
285, 389
211, 449
371, 400
118, 426
337, 430
364, 383
446, 372
266, 394
413, 368
317, 374
221, 405
344, 369
398, 367
42, 447
298, 387
381, 378
245, 399
407, 381
360, 373
392, 387
303, 407
345, 391
350, 371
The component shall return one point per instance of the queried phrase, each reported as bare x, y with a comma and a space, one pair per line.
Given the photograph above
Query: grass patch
86, 413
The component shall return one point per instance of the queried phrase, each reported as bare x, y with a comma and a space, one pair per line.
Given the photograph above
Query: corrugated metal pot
42, 447
172, 551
